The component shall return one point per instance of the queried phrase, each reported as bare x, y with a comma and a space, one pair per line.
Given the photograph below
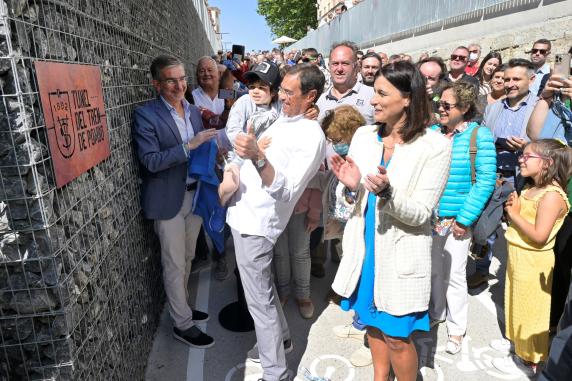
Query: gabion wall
80, 280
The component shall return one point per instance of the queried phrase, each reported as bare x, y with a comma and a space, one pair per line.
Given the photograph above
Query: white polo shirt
296, 152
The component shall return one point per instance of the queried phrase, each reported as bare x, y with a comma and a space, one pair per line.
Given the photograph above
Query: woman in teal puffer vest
460, 206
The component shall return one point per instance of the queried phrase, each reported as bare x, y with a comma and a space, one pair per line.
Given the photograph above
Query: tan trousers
178, 237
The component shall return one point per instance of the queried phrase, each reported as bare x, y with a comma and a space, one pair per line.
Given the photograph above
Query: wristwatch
260, 163
386, 193
350, 196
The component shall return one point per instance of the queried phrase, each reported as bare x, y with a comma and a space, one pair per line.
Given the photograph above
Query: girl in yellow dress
535, 218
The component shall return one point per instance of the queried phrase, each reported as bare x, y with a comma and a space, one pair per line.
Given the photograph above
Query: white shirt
297, 150
202, 99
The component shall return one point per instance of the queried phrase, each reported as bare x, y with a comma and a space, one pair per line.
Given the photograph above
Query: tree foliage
289, 17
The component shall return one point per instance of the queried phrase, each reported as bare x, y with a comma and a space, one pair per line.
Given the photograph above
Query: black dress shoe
317, 270
200, 316
193, 337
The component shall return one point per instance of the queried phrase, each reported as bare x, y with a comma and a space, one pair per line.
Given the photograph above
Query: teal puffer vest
461, 199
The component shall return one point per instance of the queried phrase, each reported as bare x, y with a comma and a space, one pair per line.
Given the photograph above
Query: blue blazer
163, 160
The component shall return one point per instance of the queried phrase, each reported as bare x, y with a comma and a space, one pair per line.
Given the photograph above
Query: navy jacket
162, 157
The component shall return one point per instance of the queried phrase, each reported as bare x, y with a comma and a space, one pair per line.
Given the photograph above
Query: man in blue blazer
165, 130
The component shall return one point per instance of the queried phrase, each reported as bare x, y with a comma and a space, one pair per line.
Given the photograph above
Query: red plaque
74, 113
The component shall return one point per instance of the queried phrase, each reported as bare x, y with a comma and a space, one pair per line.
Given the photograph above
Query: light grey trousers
178, 237
292, 258
254, 261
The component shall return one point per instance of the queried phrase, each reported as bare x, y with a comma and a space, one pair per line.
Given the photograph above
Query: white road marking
330, 370
250, 377
196, 359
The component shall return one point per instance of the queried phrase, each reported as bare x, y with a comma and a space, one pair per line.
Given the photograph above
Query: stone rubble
80, 282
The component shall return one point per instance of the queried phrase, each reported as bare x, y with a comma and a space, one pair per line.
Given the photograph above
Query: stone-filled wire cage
80, 279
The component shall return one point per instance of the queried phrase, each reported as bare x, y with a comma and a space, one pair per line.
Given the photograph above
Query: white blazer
418, 173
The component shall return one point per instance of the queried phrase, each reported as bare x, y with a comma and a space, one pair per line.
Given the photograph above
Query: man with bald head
208, 78
434, 71
344, 68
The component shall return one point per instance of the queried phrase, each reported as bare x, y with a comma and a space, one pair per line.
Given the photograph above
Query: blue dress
362, 301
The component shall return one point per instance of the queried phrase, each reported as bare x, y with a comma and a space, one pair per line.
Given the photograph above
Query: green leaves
289, 17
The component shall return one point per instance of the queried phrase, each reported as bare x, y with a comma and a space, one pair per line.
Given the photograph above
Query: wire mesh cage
80, 282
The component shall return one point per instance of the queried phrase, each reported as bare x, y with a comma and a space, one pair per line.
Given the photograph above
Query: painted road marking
196, 358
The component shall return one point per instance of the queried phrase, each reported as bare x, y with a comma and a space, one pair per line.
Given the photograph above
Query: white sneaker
502, 345
513, 365
361, 357
348, 331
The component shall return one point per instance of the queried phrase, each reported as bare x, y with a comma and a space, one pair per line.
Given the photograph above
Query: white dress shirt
296, 152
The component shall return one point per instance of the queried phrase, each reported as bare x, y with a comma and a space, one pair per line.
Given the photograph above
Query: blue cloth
163, 159
362, 300
558, 124
206, 203
461, 198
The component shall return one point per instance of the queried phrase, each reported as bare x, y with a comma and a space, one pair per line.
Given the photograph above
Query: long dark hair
479, 74
406, 78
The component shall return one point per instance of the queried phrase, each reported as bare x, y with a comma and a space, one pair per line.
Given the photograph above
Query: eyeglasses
447, 106
455, 57
541, 51
525, 156
473, 51
309, 59
429, 78
288, 93
173, 81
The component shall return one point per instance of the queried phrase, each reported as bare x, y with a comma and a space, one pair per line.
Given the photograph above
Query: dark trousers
562, 268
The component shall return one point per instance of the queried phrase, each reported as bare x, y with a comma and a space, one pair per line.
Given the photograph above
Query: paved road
316, 348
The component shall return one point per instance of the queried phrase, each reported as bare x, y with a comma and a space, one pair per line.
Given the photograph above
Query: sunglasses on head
455, 57
541, 51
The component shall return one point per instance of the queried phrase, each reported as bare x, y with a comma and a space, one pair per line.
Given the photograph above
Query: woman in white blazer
391, 180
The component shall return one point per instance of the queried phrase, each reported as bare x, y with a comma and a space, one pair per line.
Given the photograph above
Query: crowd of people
396, 170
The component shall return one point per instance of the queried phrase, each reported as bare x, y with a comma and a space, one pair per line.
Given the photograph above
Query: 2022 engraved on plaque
74, 113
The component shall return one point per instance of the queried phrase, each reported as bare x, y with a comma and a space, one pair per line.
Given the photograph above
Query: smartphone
562, 65
226, 94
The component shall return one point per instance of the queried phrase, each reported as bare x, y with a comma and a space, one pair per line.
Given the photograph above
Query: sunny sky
244, 25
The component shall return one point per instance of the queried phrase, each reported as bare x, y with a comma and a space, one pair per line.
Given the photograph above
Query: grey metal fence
374, 22
80, 282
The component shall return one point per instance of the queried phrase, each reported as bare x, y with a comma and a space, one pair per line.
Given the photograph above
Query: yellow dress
528, 283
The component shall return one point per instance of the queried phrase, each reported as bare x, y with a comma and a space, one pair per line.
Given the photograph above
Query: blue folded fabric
206, 204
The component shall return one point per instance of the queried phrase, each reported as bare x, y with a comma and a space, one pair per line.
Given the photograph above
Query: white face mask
473, 56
